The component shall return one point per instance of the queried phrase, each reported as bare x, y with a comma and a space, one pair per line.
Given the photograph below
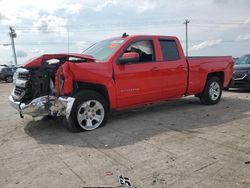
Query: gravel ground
175, 144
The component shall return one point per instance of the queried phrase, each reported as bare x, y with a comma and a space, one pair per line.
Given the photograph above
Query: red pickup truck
115, 74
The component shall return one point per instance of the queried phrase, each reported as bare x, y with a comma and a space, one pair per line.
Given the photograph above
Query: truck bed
199, 66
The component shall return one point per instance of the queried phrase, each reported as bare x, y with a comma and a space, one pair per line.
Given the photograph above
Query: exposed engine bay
40, 81
38, 87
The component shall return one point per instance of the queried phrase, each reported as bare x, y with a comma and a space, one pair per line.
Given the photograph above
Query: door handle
155, 69
181, 66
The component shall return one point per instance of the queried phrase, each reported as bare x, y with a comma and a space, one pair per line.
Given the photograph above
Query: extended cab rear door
138, 82
174, 68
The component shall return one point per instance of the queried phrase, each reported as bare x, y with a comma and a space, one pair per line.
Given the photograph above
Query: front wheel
212, 92
89, 112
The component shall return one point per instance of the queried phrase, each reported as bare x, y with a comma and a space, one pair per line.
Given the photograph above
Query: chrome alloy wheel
214, 91
90, 114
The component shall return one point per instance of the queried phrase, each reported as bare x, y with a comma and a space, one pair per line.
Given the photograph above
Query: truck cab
160, 71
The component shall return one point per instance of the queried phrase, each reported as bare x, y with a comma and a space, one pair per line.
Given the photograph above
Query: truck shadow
132, 126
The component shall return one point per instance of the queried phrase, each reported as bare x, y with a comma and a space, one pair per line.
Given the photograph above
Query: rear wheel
212, 92
89, 112
9, 79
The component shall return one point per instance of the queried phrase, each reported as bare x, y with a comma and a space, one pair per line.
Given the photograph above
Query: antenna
124, 35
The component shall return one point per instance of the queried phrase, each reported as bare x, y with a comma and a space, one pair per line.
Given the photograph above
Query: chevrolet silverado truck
115, 74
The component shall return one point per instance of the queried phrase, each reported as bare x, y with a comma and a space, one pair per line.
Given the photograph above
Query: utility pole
12, 36
68, 38
186, 23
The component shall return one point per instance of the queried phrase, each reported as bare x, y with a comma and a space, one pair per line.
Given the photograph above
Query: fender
91, 75
64, 80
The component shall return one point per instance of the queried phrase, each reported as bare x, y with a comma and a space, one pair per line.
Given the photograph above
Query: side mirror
128, 57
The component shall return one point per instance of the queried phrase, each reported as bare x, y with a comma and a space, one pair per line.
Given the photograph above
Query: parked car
6, 73
241, 74
115, 74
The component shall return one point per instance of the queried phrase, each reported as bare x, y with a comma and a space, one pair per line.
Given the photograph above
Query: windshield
243, 60
101, 51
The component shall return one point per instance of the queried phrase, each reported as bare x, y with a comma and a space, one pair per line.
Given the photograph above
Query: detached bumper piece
46, 105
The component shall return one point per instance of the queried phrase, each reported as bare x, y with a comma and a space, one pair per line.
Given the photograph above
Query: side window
144, 48
169, 50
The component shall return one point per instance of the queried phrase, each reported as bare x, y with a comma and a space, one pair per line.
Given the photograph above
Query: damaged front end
44, 86
43, 106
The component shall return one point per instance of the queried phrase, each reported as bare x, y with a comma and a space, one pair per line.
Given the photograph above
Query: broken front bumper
46, 105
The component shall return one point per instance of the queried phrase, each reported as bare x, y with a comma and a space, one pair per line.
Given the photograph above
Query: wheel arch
101, 89
219, 74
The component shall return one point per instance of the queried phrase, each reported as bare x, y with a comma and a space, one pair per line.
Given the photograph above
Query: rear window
169, 50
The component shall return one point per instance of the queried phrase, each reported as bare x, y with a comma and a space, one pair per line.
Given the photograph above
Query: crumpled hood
36, 62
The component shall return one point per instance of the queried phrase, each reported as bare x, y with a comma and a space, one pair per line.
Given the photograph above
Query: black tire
210, 99
228, 87
9, 79
72, 123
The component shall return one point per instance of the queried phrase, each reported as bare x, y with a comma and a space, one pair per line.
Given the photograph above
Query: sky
217, 27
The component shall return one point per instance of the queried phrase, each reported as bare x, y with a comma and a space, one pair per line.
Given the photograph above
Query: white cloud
145, 6
37, 51
3, 47
15, 11
82, 43
51, 24
73, 8
206, 44
105, 4
139, 6
243, 37
247, 21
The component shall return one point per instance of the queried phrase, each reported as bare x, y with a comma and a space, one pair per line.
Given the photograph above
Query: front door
138, 82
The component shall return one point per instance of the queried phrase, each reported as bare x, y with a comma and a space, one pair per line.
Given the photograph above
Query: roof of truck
144, 36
